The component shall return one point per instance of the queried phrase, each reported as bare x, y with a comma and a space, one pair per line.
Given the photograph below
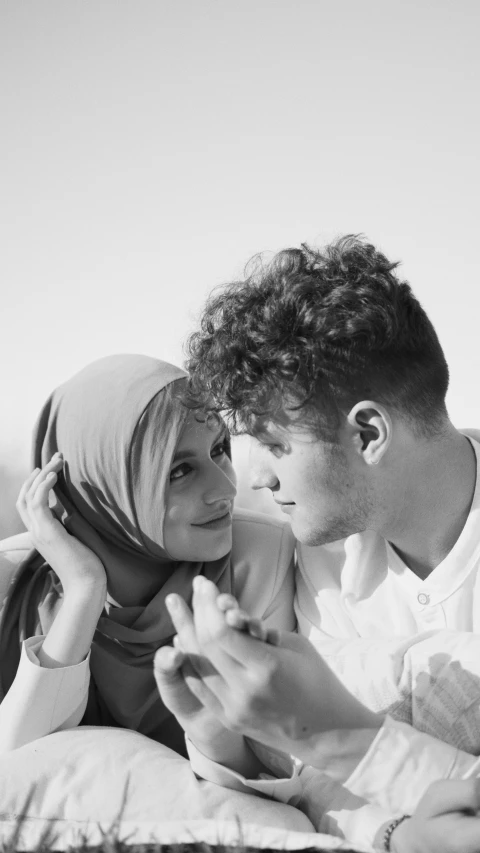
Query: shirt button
423, 598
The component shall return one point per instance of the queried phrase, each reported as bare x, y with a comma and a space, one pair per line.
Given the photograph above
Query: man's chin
316, 537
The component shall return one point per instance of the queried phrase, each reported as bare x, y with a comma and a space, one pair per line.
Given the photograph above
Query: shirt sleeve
331, 806
401, 764
41, 700
388, 781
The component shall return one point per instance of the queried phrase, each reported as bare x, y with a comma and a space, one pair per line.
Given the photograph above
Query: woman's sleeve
41, 700
263, 567
279, 612
330, 806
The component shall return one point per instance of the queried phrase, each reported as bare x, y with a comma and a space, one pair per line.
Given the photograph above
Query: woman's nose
222, 485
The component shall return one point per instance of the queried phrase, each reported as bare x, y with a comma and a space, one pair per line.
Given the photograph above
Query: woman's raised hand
75, 564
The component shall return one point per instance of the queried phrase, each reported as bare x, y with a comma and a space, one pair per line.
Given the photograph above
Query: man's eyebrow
265, 431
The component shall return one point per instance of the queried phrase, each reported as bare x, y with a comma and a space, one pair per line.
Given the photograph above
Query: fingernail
171, 601
199, 583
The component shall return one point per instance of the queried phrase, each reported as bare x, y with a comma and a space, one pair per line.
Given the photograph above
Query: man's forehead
284, 422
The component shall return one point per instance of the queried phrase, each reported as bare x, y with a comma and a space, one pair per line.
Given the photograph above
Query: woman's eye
179, 472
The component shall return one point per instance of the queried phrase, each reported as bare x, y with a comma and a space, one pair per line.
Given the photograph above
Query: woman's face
198, 518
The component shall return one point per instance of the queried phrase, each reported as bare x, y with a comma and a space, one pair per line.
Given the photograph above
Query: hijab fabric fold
117, 423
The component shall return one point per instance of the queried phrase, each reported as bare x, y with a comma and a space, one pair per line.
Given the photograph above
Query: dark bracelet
387, 836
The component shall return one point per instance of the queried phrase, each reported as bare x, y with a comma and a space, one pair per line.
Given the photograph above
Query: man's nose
261, 473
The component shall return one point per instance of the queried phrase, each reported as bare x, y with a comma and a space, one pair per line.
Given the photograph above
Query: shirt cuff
285, 790
334, 810
41, 700
400, 765
31, 648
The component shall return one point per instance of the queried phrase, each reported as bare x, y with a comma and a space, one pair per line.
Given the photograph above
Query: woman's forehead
196, 432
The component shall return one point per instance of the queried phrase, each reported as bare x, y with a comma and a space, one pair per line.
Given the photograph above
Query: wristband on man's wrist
387, 836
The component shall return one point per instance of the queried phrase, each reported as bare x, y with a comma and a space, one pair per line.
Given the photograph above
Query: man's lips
285, 506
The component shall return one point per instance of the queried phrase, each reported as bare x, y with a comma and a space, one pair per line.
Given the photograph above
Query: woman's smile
218, 522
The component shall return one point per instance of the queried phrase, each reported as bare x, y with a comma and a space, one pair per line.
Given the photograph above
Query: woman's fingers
53, 467
186, 638
33, 500
226, 602
182, 619
28, 495
241, 621
26, 485
226, 648
237, 619
167, 662
42, 491
198, 687
274, 637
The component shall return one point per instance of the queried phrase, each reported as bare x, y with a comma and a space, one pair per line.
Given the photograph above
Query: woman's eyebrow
183, 454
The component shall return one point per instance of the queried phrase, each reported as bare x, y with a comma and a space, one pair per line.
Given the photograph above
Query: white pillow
80, 775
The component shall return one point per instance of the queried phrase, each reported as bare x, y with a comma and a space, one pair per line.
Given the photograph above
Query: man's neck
435, 503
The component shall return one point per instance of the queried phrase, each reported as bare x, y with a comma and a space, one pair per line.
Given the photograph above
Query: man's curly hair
318, 330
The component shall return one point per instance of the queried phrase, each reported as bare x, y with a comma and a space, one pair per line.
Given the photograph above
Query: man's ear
372, 430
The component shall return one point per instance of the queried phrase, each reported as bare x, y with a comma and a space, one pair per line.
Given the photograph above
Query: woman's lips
216, 523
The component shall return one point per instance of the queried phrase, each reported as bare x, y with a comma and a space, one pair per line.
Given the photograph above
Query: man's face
317, 483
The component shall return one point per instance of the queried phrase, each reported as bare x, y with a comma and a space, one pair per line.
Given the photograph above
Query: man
330, 363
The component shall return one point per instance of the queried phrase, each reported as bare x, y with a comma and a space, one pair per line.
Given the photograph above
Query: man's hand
445, 821
283, 696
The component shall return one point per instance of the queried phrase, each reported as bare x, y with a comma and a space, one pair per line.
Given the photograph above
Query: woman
145, 494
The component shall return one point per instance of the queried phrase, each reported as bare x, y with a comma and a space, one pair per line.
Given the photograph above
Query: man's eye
221, 448
275, 449
179, 472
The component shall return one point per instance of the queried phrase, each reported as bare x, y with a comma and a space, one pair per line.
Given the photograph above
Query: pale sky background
150, 147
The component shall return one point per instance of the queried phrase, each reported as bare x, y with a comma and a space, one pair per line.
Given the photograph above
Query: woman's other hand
177, 672
75, 564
